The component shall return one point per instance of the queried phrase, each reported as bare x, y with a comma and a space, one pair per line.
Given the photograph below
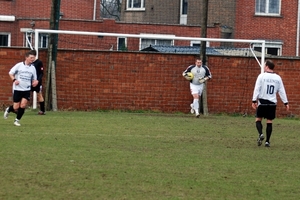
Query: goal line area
151, 42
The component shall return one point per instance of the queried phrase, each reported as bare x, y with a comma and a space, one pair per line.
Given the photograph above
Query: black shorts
19, 95
36, 89
266, 111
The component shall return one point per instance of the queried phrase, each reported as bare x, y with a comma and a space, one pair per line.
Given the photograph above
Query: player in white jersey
264, 100
201, 74
23, 76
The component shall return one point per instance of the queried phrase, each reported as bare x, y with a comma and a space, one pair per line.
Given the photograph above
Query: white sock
196, 105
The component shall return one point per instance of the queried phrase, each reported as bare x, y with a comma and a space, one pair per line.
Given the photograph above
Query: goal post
102, 34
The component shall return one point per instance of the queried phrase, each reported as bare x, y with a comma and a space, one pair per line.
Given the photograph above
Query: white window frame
41, 38
8, 38
183, 16
198, 43
277, 45
26, 44
155, 40
130, 3
31, 34
267, 6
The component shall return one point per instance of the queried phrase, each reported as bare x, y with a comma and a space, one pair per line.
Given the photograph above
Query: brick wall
91, 80
168, 12
276, 28
106, 26
34, 9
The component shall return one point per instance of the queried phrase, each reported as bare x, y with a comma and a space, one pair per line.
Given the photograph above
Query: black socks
42, 106
269, 131
259, 127
20, 113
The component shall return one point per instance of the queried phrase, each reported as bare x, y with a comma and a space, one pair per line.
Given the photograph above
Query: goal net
151, 42
81, 40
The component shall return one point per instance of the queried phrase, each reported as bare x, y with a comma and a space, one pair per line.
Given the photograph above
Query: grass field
119, 155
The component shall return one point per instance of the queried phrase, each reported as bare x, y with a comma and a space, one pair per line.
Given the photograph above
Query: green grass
121, 155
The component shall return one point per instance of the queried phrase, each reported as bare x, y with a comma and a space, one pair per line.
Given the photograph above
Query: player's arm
12, 74
207, 75
204, 79
283, 96
256, 92
12, 77
185, 72
34, 81
40, 70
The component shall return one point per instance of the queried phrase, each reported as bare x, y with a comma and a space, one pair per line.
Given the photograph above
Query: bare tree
110, 9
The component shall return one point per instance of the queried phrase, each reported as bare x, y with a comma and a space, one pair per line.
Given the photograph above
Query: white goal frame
262, 42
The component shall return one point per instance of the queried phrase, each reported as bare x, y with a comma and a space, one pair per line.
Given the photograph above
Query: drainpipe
95, 4
298, 26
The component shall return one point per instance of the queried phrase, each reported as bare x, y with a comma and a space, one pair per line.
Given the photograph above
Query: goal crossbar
262, 42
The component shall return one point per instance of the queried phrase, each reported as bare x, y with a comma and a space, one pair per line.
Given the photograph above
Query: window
267, 7
183, 11
145, 42
5, 39
272, 48
43, 41
135, 4
122, 44
28, 40
198, 43
184, 6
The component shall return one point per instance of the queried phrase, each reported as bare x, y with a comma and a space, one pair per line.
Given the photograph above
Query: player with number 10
264, 100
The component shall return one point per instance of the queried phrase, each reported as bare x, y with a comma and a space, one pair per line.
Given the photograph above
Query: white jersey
266, 87
25, 74
198, 72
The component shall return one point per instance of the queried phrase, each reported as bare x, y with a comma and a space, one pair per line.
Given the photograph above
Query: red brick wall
106, 26
283, 27
80, 9
91, 80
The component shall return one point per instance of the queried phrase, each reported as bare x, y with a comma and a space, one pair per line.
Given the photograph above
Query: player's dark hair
32, 52
270, 64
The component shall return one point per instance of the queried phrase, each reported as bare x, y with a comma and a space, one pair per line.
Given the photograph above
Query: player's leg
195, 91
271, 115
21, 109
16, 106
41, 102
268, 132
259, 127
8, 110
200, 90
13, 108
196, 104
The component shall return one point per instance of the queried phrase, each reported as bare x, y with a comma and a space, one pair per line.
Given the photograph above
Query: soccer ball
189, 76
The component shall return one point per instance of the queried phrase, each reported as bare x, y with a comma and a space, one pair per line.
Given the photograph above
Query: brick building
276, 21
19, 18
185, 12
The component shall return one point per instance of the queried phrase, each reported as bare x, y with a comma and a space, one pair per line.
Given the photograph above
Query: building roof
180, 49
228, 51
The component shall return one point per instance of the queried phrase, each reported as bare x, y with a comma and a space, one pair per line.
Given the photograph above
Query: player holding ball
197, 74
